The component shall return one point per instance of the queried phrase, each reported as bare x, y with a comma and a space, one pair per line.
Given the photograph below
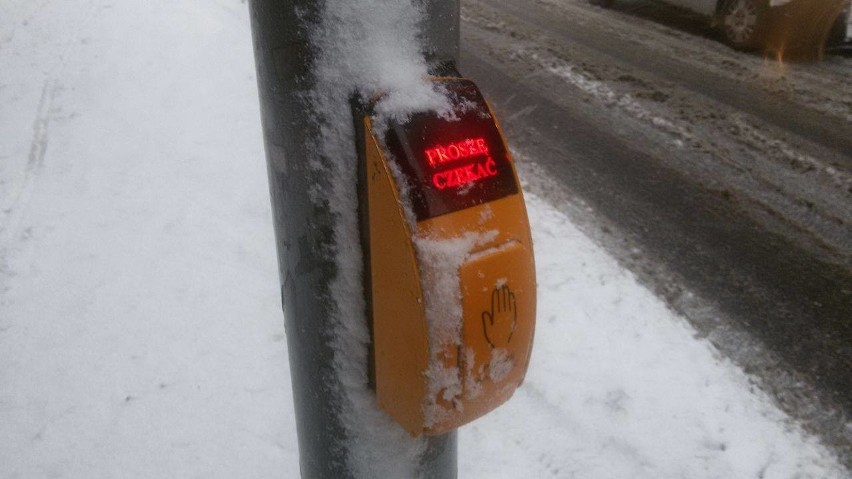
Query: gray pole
441, 31
303, 230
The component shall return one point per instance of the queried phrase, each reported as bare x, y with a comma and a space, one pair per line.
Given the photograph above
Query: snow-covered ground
140, 324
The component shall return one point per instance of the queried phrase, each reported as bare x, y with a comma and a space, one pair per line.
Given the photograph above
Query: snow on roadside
140, 324
619, 387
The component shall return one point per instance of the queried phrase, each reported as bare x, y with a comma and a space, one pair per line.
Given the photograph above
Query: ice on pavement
140, 324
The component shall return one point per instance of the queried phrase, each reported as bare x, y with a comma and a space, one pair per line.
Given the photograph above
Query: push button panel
498, 300
446, 353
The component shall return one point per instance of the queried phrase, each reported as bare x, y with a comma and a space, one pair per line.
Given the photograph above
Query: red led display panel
452, 164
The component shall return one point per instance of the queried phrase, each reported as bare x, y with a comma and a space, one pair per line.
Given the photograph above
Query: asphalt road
722, 179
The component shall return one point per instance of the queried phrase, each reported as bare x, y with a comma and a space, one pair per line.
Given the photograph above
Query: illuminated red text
465, 174
456, 151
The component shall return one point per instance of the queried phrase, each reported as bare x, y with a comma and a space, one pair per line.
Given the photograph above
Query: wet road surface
723, 180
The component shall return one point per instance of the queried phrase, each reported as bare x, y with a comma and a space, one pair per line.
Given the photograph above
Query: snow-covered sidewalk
140, 324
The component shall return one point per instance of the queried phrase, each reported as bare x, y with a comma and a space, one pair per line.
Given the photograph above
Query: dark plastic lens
450, 165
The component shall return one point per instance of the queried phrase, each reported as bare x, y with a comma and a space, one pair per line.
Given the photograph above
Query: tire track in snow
15, 204
766, 191
783, 187
627, 47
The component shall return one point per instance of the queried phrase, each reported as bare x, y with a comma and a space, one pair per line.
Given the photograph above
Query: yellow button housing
494, 285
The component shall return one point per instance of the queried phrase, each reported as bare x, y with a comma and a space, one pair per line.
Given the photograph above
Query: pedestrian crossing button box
449, 263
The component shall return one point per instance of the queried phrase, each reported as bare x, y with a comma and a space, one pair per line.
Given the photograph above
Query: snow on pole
311, 57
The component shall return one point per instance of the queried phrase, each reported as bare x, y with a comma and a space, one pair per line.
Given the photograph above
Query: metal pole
303, 229
440, 30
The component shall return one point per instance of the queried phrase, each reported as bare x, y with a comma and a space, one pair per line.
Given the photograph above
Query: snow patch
164, 337
619, 387
440, 259
500, 365
472, 383
782, 151
599, 90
